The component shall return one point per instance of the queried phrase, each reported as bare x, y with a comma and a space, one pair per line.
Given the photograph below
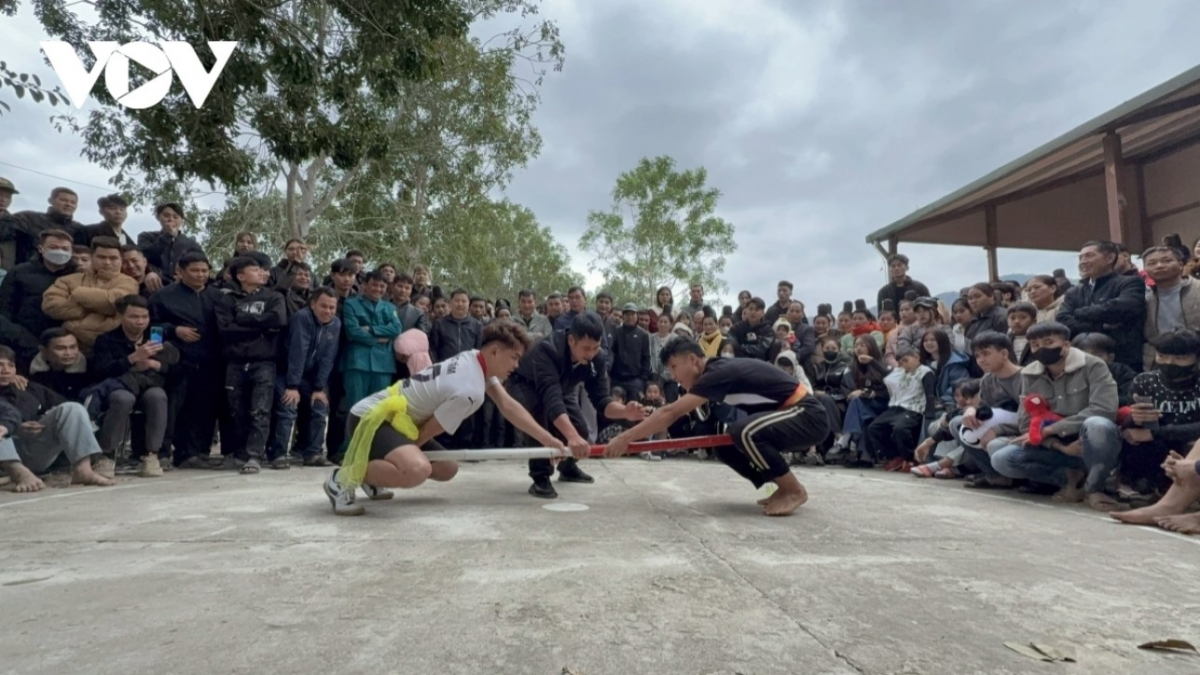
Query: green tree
310, 98
661, 230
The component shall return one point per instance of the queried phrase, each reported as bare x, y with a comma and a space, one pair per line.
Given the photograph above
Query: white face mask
57, 257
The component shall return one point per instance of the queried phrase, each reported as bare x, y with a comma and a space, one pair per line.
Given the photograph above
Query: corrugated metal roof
1076, 152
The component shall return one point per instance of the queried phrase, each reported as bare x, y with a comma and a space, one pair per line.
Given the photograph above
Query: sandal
281, 463
250, 467
925, 470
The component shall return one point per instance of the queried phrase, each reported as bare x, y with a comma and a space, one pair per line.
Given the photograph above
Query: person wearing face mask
1079, 451
23, 287
1165, 414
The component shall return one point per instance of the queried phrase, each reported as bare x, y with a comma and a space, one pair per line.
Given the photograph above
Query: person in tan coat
86, 302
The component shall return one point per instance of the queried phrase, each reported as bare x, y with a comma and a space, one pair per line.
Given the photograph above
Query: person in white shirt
912, 400
390, 430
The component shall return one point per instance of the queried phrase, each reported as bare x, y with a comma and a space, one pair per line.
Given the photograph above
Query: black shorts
387, 439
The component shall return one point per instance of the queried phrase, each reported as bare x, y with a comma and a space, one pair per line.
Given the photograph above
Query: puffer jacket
87, 304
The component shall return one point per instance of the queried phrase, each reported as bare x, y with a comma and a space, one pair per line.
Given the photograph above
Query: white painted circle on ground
565, 506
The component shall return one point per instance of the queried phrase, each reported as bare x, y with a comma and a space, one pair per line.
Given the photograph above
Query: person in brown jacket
86, 302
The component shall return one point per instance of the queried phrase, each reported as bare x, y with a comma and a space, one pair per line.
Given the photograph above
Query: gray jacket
538, 326
1085, 389
1189, 297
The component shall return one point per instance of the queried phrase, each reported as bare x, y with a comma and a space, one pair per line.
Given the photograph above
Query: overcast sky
818, 121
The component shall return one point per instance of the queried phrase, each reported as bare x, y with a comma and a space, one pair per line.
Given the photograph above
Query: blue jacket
366, 322
311, 350
957, 369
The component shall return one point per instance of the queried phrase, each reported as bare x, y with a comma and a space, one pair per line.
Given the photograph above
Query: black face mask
1178, 377
1048, 356
831, 356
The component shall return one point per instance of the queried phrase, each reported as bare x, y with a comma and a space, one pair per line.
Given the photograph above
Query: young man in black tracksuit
545, 383
186, 310
631, 355
251, 319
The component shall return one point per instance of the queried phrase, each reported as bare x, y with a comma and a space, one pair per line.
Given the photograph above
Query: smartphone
1146, 400
156, 334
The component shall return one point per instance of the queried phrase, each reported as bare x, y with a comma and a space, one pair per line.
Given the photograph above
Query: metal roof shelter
1131, 175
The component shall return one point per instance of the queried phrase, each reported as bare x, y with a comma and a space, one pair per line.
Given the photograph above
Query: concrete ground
670, 569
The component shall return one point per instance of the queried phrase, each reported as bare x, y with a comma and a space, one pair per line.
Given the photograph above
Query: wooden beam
992, 234
893, 244
1144, 223
1112, 188
1154, 112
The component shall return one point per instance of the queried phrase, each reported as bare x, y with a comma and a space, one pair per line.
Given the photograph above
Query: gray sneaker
377, 494
341, 499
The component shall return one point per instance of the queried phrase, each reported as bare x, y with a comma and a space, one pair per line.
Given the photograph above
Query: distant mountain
950, 296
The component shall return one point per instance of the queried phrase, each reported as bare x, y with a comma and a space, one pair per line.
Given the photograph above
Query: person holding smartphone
133, 363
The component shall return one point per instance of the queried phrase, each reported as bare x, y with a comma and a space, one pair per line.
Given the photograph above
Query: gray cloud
820, 122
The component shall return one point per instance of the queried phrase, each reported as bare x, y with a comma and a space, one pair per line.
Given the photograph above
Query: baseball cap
629, 307
6, 185
926, 302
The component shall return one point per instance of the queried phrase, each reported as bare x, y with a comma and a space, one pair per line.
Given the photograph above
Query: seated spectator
753, 336
86, 302
38, 427
711, 339
893, 434
987, 313
1166, 412
822, 328
805, 342
784, 339
832, 375
132, 369
250, 319
1172, 303
302, 384
1000, 393
949, 367
1107, 302
942, 435
868, 399
23, 287
961, 318
1042, 291
925, 317
60, 365
845, 328
891, 330
1021, 317
165, 248
1171, 512
1102, 347
863, 323
1079, 451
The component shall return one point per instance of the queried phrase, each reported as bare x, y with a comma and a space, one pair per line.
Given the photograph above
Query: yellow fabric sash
711, 344
392, 409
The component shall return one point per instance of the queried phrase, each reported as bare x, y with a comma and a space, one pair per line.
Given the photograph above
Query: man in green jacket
371, 324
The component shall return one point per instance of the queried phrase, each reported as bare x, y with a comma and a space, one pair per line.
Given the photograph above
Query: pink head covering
412, 349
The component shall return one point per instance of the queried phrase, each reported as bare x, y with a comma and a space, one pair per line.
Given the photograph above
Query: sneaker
571, 473
166, 463
542, 489
649, 457
316, 460
377, 494
341, 500
150, 467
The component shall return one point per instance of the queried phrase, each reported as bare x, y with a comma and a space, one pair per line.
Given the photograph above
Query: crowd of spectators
124, 356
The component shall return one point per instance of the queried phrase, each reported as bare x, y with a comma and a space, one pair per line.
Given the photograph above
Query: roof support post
992, 235
1113, 184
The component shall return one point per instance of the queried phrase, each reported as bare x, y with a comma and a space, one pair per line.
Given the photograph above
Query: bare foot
1188, 523
86, 476
24, 479
784, 502
1182, 470
1149, 515
103, 466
